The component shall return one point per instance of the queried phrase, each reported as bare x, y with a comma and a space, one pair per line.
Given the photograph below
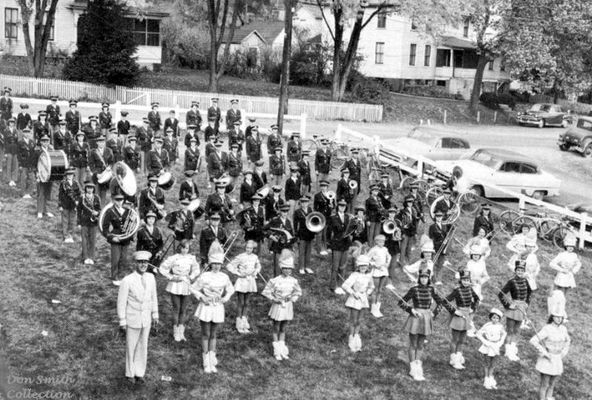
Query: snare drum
52, 165
166, 180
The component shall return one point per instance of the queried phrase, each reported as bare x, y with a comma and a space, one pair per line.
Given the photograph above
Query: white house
145, 24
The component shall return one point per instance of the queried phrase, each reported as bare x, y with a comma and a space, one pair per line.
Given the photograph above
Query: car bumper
528, 121
572, 144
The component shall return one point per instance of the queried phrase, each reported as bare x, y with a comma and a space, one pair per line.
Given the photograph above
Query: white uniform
283, 291
180, 270
492, 336
212, 289
379, 260
481, 242
479, 275
532, 270
246, 267
567, 264
555, 341
136, 306
360, 284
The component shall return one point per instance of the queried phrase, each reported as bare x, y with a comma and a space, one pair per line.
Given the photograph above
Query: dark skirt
420, 325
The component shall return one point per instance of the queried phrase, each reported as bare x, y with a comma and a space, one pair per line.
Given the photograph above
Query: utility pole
286, 53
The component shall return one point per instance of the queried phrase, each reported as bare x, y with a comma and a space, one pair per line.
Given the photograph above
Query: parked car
544, 114
578, 138
432, 143
506, 169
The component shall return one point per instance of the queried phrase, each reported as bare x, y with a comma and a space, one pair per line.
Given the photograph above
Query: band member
292, 190
61, 138
233, 114
238, 136
170, 145
105, 119
282, 236
68, 197
41, 127
477, 269
144, 134
215, 113
92, 132
418, 201
150, 239
552, 342
182, 223
532, 266
158, 158
380, 260
137, 309
259, 176
409, 219
375, 212
338, 243
359, 286
250, 126
517, 245
252, 220
273, 202
188, 189
484, 220
425, 260
114, 144
192, 156
253, 146
567, 264
113, 226
277, 166
172, 123
89, 208
392, 242
325, 206
492, 335
193, 117
248, 187
355, 169
43, 188
211, 233
10, 151
481, 241
360, 234
99, 160
180, 270
131, 156
191, 134
323, 161
438, 232
217, 162
79, 157
283, 291
344, 191
53, 113
6, 104
294, 148
419, 323
304, 236
212, 288
27, 162
515, 297
274, 140
154, 118
385, 191
23, 119
123, 127
152, 199
235, 164
445, 204
219, 202
461, 303
211, 130
304, 172
73, 119
245, 266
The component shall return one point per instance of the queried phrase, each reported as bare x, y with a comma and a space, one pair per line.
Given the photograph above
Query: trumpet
315, 222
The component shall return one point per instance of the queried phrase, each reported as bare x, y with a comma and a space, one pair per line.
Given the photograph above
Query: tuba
315, 222
130, 225
389, 227
353, 185
331, 195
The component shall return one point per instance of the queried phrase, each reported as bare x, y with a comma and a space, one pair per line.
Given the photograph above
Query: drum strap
101, 158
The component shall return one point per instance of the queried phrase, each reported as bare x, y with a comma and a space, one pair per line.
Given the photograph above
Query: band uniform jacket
482, 222
253, 148
170, 145
114, 224
232, 116
181, 223
294, 150
144, 136
68, 194
355, 170
210, 131
191, 159
217, 164
61, 140
273, 140
276, 165
79, 154
40, 129
158, 161
344, 191
5, 108
11, 141
98, 162
247, 191
438, 235
336, 231
91, 135
123, 127
392, 245
154, 120
386, 194
73, 120
252, 222
304, 170
323, 205
193, 118
207, 237
374, 209
221, 204
85, 205
408, 217
260, 179
323, 161
210, 148
172, 123
272, 206
443, 206
292, 189
188, 191
145, 204
418, 206
26, 153
302, 232
235, 165
131, 157
105, 119
53, 114
115, 146
188, 137
23, 120
278, 246
216, 113
147, 241
236, 137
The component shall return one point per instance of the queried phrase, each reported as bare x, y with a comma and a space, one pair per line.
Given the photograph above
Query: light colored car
508, 170
578, 138
544, 114
432, 143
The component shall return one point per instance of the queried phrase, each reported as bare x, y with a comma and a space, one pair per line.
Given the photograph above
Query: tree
44, 19
105, 46
286, 55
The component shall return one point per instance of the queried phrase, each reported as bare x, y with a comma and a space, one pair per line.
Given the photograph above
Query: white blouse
282, 288
245, 265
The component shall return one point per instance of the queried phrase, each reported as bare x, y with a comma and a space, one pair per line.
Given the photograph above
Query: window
454, 143
381, 20
52, 33
528, 169
379, 54
466, 25
442, 58
413, 25
510, 166
146, 32
412, 53
428, 54
11, 23
491, 65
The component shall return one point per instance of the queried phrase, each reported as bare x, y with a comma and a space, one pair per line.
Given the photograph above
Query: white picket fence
322, 110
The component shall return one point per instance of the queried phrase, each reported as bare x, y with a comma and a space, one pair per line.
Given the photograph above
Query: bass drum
52, 165
166, 180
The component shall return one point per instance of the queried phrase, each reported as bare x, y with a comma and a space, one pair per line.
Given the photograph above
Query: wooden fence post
478, 116
445, 116
303, 117
148, 99
494, 117
583, 229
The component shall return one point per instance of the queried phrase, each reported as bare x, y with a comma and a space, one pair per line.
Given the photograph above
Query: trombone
230, 242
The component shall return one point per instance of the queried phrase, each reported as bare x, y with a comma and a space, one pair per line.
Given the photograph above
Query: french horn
315, 222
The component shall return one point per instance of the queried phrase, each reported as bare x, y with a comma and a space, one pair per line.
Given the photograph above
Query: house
145, 24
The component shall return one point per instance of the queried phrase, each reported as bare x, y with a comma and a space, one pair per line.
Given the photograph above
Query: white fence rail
182, 99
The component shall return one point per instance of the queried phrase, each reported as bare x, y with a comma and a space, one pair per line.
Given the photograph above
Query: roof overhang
456, 43
132, 11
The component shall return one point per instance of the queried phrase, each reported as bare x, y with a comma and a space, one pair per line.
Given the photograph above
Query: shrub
489, 100
368, 90
308, 67
506, 98
186, 45
429, 91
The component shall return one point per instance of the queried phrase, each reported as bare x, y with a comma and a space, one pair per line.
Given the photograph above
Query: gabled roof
268, 31
158, 9
457, 43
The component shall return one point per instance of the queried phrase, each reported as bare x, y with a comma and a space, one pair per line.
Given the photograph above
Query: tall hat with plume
216, 253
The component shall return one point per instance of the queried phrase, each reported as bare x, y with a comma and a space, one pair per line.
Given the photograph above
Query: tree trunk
337, 45
224, 61
286, 53
213, 79
476, 92
37, 49
348, 60
556, 90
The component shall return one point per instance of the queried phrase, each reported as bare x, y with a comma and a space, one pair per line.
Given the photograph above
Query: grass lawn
84, 355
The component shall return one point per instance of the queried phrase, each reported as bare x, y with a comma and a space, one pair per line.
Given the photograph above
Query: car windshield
585, 124
541, 107
485, 158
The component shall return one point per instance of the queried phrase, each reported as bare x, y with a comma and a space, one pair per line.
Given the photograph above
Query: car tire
563, 147
587, 151
538, 195
478, 190
541, 123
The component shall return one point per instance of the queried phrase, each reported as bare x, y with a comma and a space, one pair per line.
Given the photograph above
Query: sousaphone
315, 222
